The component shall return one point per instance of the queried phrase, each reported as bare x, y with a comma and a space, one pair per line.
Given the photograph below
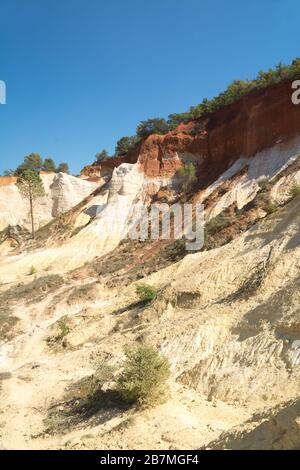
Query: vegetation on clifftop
34, 162
155, 125
235, 90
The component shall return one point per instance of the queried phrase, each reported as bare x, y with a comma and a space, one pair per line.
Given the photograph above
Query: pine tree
49, 164
31, 187
63, 168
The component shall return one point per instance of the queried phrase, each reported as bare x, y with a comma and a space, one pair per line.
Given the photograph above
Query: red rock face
103, 168
5, 180
255, 122
161, 155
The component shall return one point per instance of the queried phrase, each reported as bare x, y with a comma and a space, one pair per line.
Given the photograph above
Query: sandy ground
231, 354
33, 378
231, 346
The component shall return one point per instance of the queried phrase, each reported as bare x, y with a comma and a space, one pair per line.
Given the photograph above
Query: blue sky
82, 73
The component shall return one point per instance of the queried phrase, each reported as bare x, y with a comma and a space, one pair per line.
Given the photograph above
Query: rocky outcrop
62, 193
67, 191
231, 355
157, 160
263, 122
103, 168
12, 237
227, 318
255, 123
277, 428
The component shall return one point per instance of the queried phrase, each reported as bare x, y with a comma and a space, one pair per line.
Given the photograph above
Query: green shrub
270, 208
48, 164
63, 168
64, 329
295, 190
218, 223
263, 184
188, 176
146, 293
144, 378
152, 126
32, 271
264, 202
236, 90
125, 144
100, 156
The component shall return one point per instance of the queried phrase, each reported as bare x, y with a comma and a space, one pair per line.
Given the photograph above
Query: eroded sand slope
231, 348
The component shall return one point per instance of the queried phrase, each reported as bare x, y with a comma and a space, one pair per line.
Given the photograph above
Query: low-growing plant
270, 208
32, 271
64, 329
146, 293
263, 184
188, 176
218, 223
152, 126
264, 202
295, 190
144, 378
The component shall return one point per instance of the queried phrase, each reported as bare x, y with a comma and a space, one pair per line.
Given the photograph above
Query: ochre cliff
226, 317
255, 122
102, 168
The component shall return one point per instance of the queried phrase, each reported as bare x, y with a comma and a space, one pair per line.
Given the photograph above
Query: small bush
218, 223
295, 190
100, 156
104, 373
146, 293
264, 202
152, 126
264, 184
188, 176
270, 208
64, 329
125, 144
32, 271
144, 378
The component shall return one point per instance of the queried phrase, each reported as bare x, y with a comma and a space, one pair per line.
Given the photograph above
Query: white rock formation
102, 235
265, 164
62, 193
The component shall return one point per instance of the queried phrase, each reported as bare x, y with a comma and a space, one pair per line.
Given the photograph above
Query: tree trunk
31, 215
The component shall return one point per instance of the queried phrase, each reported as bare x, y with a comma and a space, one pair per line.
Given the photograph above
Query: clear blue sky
82, 73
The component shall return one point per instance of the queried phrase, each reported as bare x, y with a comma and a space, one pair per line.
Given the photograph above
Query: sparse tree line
29, 182
234, 91
34, 162
31, 186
